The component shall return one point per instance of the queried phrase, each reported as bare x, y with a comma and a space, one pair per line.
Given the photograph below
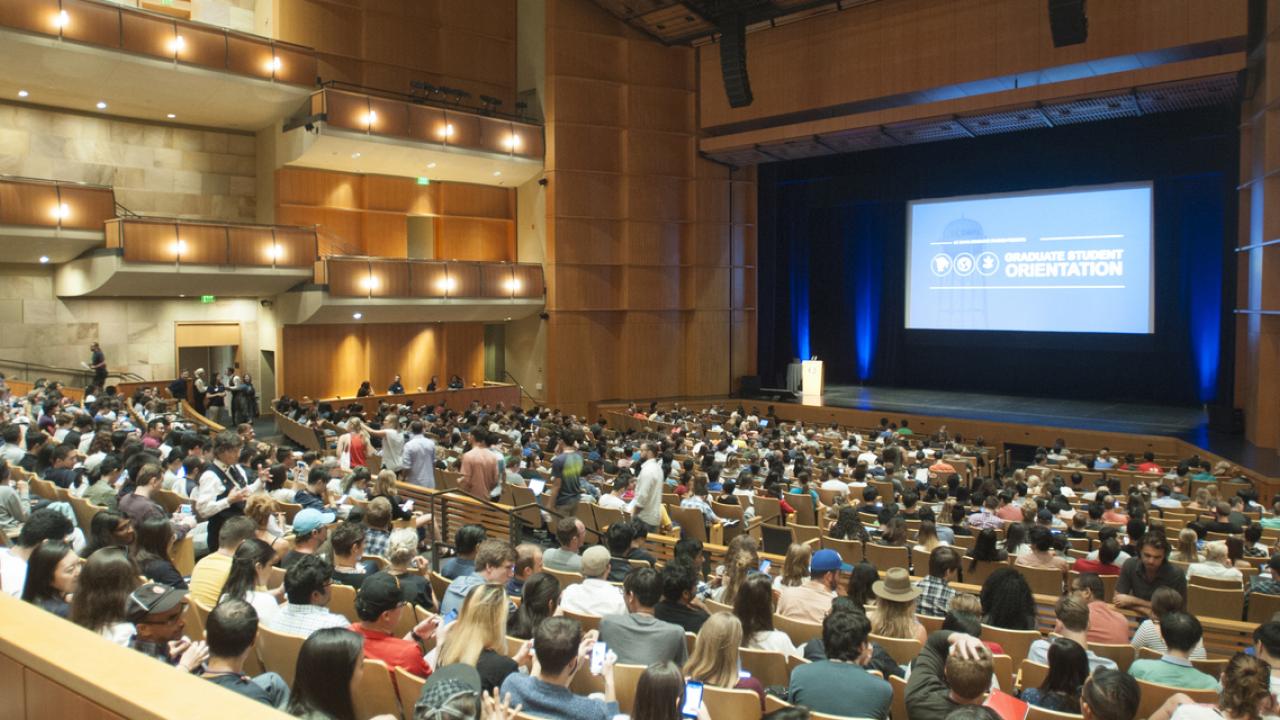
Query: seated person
230, 632
952, 671
594, 595
465, 542
840, 684
638, 637
560, 648
1181, 633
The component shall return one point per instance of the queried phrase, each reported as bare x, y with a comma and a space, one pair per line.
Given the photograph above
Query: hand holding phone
598, 653
764, 566
692, 699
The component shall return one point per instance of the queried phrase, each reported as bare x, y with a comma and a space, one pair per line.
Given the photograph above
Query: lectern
811, 379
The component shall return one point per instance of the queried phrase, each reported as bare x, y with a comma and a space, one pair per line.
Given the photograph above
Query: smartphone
692, 699
764, 566
449, 617
185, 508
598, 653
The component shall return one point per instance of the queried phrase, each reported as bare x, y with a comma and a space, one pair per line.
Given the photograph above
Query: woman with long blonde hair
736, 567
927, 536
479, 635
795, 569
715, 656
894, 615
1186, 551
355, 443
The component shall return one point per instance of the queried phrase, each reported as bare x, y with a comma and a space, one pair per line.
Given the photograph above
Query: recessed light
44, 259
23, 93
102, 105
61, 19
171, 116
430, 165
355, 156
497, 173
182, 294
357, 316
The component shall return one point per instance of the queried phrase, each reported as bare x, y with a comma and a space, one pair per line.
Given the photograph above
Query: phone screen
692, 699
449, 617
598, 652
764, 566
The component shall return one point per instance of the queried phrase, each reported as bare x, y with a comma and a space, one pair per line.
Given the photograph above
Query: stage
1188, 423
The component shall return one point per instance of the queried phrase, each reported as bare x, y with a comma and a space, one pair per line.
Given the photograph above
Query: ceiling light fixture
430, 165
497, 173
44, 259
171, 116
23, 93
102, 105
62, 19
357, 316
355, 156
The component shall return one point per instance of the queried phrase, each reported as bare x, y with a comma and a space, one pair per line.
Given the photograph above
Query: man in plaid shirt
377, 520
1267, 581
935, 595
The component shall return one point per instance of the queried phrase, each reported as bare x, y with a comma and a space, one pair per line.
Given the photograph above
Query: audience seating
919, 561
1035, 712
439, 584
1211, 666
736, 704
588, 622
289, 510
767, 666
1043, 581
851, 551
169, 500
408, 688
566, 578
1262, 607
1123, 654
279, 652
1031, 674
690, 521
1154, 695
183, 555
84, 510
625, 678
886, 556
714, 607
793, 662
343, 601
799, 631
1216, 583
1004, 671
276, 578
1108, 583
979, 572
1204, 601
898, 708
803, 504
930, 622
584, 683
194, 622
1015, 642
902, 650
375, 694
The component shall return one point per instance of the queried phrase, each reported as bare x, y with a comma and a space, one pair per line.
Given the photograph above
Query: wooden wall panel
12, 690
646, 243
322, 361
367, 214
48, 699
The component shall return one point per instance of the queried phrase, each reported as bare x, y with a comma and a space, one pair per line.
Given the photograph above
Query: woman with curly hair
1007, 601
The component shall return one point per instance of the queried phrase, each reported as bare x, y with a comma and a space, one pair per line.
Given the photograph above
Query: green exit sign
424, 181
206, 299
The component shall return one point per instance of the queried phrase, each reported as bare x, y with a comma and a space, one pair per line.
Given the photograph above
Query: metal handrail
524, 392
343, 86
46, 181
27, 367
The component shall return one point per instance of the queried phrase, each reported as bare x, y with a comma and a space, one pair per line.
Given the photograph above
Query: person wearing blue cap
310, 529
811, 601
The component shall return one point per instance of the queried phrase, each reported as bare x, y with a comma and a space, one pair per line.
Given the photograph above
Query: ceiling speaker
733, 60
1068, 22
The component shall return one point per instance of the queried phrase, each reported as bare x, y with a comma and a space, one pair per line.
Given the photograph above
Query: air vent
923, 131
1092, 109
1003, 122
1184, 95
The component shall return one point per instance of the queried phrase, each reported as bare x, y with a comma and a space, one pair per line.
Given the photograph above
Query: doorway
213, 347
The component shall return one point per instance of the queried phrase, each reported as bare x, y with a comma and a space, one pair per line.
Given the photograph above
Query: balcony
142, 64
154, 257
44, 221
403, 290
375, 132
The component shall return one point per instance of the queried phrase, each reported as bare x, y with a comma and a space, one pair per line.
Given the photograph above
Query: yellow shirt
208, 577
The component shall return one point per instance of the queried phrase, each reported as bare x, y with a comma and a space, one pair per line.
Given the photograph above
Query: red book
1006, 706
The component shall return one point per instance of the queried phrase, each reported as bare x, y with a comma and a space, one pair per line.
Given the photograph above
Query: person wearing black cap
379, 603
156, 613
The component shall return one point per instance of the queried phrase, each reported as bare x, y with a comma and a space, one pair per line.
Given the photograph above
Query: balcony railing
159, 240
364, 277
400, 116
54, 204
107, 25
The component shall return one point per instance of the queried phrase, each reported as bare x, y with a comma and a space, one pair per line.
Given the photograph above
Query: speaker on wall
733, 60
1068, 22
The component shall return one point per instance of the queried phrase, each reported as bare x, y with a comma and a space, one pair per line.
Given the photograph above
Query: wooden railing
112, 26
54, 204
376, 112
166, 240
369, 277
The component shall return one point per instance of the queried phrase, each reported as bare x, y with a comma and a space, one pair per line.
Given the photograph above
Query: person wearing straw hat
895, 613
811, 601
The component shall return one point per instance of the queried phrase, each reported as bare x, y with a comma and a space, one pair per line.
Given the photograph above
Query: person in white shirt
1216, 564
594, 595
1164, 498
613, 499
648, 500
392, 443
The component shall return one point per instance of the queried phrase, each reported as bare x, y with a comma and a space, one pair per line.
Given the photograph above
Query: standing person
479, 467
648, 500
215, 400
201, 386
354, 444
223, 487
98, 363
392, 443
244, 400
566, 475
420, 457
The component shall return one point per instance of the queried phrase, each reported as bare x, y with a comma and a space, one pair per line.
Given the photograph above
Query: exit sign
206, 299
424, 181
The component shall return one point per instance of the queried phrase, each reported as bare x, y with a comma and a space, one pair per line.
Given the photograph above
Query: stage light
356, 316
430, 165
177, 44
44, 259
62, 19
23, 93
62, 211
102, 105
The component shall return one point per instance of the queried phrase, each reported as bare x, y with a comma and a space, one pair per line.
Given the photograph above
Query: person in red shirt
1149, 464
1106, 625
1108, 551
379, 603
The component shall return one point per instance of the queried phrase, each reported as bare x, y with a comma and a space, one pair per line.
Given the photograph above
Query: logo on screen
941, 264
988, 263
964, 264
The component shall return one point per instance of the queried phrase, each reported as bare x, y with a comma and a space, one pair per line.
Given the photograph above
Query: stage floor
1188, 423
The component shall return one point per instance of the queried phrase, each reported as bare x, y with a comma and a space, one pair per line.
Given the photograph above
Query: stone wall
137, 335
155, 169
